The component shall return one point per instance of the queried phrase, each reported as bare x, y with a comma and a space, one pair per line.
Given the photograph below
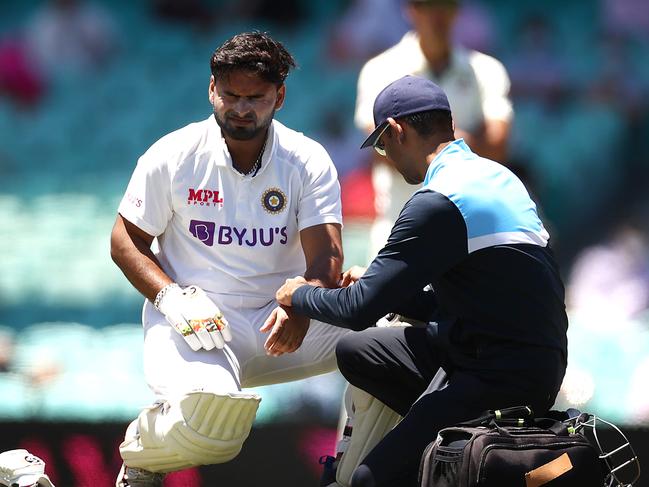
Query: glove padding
195, 316
19, 467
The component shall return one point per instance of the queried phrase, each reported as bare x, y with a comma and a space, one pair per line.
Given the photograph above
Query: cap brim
374, 136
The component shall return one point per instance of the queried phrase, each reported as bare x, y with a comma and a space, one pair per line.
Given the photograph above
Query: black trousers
433, 386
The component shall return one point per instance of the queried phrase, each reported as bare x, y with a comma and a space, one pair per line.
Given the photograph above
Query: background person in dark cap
469, 256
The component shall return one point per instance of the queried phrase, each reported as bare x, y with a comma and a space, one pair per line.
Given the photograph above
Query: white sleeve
147, 201
366, 91
494, 87
320, 198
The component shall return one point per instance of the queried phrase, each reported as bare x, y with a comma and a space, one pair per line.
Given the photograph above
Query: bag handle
512, 416
561, 423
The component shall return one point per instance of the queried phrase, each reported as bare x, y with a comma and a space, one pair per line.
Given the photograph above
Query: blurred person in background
473, 27
609, 281
71, 36
538, 70
238, 203
477, 86
20, 81
626, 17
362, 30
6, 351
341, 142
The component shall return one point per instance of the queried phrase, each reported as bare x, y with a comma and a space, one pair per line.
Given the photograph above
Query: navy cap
405, 96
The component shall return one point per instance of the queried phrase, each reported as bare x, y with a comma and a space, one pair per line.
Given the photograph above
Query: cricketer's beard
243, 133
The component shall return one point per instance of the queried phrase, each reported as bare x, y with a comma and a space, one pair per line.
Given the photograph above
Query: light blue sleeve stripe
494, 203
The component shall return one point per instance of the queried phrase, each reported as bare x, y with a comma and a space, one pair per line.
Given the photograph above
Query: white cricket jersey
228, 233
477, 85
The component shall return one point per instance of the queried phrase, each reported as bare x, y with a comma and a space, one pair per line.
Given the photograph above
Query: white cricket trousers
172, 368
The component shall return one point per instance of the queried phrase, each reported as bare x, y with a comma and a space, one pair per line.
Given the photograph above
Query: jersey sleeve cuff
319, 220
140, 223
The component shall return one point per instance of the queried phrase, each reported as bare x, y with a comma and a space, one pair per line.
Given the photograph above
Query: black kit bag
510, 448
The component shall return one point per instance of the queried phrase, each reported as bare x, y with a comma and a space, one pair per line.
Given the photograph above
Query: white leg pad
198, 428
372, 420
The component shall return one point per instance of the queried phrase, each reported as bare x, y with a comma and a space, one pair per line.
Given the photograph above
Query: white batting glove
194, 315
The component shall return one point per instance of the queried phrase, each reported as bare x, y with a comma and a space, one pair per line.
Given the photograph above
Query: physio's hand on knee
194, 315
287, 331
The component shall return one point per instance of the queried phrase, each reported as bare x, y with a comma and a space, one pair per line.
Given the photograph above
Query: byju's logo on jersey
204, 197
207, 233
273, 200
203, 231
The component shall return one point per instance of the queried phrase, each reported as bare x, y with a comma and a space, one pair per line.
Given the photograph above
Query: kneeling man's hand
351, 275
287, 331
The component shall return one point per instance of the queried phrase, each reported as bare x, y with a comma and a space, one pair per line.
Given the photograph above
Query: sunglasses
378, 146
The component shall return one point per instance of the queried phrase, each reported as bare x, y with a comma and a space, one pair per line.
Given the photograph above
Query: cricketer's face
244, 104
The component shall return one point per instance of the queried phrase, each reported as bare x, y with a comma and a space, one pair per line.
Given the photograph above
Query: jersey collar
218, 145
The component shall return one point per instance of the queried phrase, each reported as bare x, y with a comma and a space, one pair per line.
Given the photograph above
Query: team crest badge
273, 200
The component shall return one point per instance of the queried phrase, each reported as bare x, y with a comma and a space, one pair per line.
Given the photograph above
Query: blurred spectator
473, 27
40, 372
629, 17
611, 279
617, 81
6, 351
71, 36
43, 372
341, 142
536, 66
573, 102
19, 80
477, 86
366, 28
352, 164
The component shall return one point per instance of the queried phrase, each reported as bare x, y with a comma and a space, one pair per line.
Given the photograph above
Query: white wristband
162, 292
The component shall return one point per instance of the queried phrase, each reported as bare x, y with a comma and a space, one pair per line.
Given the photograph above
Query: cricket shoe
136, 477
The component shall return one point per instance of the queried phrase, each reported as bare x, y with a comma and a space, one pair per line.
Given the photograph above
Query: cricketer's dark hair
256, 52
431, 121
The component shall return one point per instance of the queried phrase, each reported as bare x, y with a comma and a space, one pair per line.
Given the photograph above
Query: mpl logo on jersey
204, 197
